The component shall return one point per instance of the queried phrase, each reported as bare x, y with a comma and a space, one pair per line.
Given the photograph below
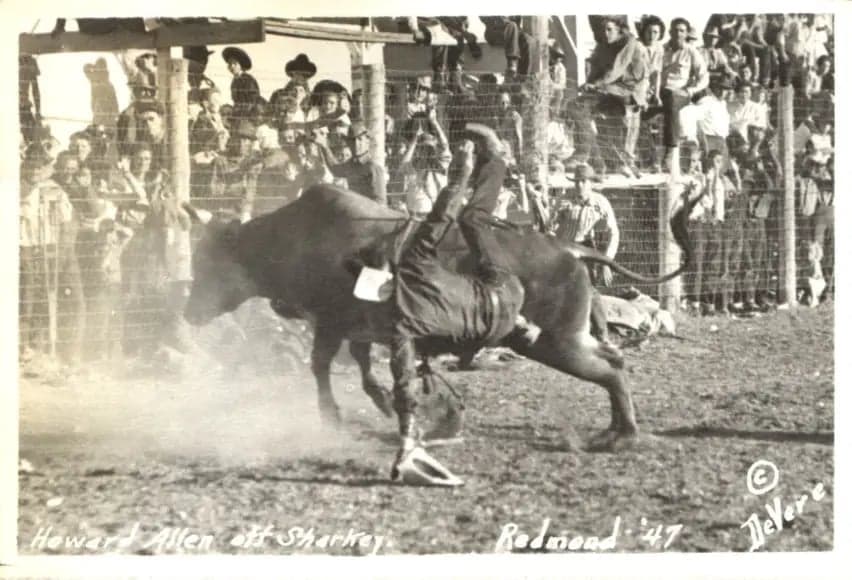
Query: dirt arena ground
207, 464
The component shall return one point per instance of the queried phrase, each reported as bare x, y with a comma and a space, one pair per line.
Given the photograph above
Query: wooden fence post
788, 247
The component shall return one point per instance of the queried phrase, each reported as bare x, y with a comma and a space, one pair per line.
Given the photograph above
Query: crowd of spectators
93, 215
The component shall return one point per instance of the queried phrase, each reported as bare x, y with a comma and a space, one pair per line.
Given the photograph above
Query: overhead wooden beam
231, 32
318, 31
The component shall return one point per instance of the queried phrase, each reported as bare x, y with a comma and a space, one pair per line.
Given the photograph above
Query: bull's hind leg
584, 357
380, 396
327, 342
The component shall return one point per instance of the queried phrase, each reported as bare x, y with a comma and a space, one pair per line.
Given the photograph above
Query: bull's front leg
327, 341
413, 465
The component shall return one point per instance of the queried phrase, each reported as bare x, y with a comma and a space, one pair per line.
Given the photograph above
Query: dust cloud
205, 409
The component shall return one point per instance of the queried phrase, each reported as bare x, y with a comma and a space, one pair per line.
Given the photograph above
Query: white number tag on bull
373, 285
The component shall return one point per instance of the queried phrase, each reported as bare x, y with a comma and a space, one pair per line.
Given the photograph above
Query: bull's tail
678, 224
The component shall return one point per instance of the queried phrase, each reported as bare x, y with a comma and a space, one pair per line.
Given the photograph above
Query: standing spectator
151, 115
363, 175
234, 181
714, 120
244, 88
44, 210
755, 245
272, 176
424, 164
651, 32
817, 75
510, 124
578, 220
684, 75
208, 138
744, 111
419, 104
286, 105
584, 214
735, 213
558, 78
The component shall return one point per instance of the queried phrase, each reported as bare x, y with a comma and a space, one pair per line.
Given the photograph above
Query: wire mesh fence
95, 279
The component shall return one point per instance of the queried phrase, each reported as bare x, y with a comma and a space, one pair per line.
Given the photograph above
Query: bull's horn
200, 216
417, 467
492, 141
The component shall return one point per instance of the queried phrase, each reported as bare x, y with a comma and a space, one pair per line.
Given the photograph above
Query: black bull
297, 257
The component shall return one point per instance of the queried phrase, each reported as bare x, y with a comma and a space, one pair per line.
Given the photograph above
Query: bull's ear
198, 216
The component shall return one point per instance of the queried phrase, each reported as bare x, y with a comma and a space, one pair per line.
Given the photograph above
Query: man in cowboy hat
244, 88
361, 173
577, 220
714, 55
234, 180
198, 57
300, 67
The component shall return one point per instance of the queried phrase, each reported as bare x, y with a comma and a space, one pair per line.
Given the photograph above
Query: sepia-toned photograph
404, 285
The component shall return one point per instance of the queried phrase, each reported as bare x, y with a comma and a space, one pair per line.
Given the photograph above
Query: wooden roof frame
210, 33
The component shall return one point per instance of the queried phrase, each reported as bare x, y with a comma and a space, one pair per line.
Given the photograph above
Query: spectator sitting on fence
197, 58
129, 126
714, 55
621, 94
684, 74
29, 97
727, 26
651, 31
234, 181
363, 175
424, 163
244, 87
300, 70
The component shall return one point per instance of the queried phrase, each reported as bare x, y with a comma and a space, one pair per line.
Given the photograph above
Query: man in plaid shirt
576, 221
584, 213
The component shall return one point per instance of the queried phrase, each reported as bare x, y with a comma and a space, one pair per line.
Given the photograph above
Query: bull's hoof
416, 467
382, 399
612, 441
